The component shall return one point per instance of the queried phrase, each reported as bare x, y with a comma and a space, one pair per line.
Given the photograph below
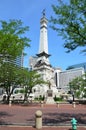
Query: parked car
17, 94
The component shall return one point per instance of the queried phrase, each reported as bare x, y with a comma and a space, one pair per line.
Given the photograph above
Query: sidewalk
44, 128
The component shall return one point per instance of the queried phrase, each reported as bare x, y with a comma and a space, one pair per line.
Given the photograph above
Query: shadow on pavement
63, 118
2, 116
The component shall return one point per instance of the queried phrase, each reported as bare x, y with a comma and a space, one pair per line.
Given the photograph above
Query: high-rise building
83, 65
66, 76
19, 61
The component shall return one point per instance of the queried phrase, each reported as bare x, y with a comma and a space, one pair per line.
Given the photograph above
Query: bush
57, 99
40, 98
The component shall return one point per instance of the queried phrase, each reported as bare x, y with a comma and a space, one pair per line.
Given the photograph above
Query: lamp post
74, 104
73, 96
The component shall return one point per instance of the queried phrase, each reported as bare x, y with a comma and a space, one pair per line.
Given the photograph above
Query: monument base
50, 100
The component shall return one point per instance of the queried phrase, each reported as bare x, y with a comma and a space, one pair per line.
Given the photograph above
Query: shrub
57, 99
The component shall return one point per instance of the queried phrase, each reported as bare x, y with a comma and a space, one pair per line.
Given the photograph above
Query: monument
40, 62
50, 96
59, 79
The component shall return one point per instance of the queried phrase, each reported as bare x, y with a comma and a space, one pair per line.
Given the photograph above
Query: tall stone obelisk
42, 65
43, 44
41, 62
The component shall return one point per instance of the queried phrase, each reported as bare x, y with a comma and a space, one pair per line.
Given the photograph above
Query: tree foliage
9, 78
34, 79
70, 23
12, 39
12, 76
12, 44
78, 86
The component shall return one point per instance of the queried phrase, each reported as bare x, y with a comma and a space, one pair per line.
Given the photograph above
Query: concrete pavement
44, 128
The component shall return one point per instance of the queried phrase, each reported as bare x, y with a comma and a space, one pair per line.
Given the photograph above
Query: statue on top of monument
49, 85
43, 12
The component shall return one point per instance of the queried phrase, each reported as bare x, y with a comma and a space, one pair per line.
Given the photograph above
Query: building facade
66, 76
83, 65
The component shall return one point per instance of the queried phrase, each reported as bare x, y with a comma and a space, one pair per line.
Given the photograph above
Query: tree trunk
8, 99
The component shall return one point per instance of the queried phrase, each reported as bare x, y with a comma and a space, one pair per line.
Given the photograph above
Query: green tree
70, 22
9, 78
13, 76
12, 43
28, 79
78, 86
33, 79
12, 39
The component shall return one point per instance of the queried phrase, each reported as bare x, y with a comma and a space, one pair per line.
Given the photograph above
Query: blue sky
30, 12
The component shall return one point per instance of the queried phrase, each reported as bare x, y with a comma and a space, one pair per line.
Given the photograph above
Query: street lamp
73, 96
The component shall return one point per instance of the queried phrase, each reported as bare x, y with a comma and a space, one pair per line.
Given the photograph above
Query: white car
17, 95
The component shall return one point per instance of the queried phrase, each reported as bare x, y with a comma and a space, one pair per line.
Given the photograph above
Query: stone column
10, 103
38, 120
74, 104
